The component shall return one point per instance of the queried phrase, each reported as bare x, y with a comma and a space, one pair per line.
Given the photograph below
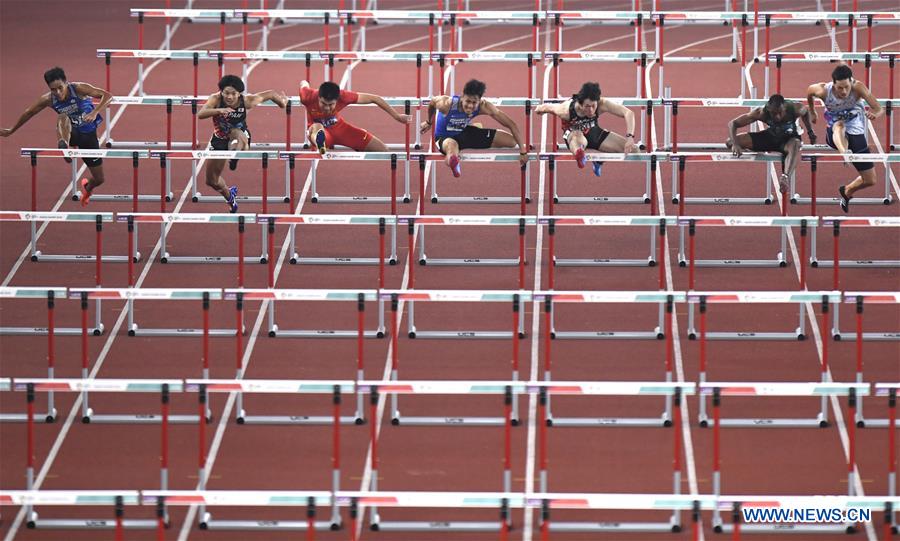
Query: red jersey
310, 99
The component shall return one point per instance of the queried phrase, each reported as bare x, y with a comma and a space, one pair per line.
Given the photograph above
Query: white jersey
849, 109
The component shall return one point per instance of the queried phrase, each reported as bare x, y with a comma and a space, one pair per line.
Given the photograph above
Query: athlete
781, 135
581, 131
454, 130
76, 123
228, 108
846, 117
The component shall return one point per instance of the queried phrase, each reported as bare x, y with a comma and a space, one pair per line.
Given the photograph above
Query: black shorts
858, 145
769, 141
86, 141
470, 137
218, 143
595, 137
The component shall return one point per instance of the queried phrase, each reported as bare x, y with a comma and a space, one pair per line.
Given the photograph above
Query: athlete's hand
424, 126
736, 150
5, 132
813, 115
281, 99
404, 119
523, 156
812, 138
92, 116
629, 146
870, 115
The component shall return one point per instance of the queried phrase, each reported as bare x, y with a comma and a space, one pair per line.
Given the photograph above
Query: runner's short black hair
589, 91
474, 88
776, 101
841, 72
54, 74
233, 81
329, 91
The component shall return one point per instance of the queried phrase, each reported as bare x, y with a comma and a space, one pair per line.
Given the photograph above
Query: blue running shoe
320, 141
232, 199
598, 168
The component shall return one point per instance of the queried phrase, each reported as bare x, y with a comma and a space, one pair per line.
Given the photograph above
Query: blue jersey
75, 108
455, 121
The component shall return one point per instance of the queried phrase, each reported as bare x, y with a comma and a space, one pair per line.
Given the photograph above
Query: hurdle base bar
399, 420
200, 198
140, 418
602, 262
316, 198
750, 335
676, 198
50, 417
641, 422
244, 419
796, 199
463, 261
82, 258
867, 336
436, 526
779, 261
167, 258
655, 334
266, 525
66, 331
670, 526
492, 199
818, 422
297, 260
787, 528
445, 335
873, 263
136, 330
275, 332
578, 200
35, 523
148, 198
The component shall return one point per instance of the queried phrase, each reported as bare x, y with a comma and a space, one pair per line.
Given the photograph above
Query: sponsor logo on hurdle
805, 515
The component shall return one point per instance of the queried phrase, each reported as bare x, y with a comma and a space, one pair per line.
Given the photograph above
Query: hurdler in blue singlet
76, 108
455, 121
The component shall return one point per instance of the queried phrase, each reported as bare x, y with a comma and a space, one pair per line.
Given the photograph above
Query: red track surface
801, 461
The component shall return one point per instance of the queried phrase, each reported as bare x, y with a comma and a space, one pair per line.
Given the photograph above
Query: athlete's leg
743, 139
375, 145
503, 139
450, 148
792, 157
214, 179
317, 136
839, 135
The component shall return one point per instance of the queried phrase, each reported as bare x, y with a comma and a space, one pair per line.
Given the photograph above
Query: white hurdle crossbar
686, 258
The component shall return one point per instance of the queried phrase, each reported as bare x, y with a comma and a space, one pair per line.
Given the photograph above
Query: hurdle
421, 221
167, 220
679, 190
467, 388
890, 390
293, 220
816, 158
667, 298
784, 222
672, 392
412, 296
649, 196
274, 295
860, 298
240, 386
826, 298
195, 156
836, 223
165, 191
719, 390
51, 294
391, 157
83, 386
656, 224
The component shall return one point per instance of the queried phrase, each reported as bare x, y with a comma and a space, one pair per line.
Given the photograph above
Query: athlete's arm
38, 106
383, 105
559, 109
209, 108
814, 91
437, 103
620, 110
494, 112
744, 120
875, 109
803, 113
89, 90
276, 97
